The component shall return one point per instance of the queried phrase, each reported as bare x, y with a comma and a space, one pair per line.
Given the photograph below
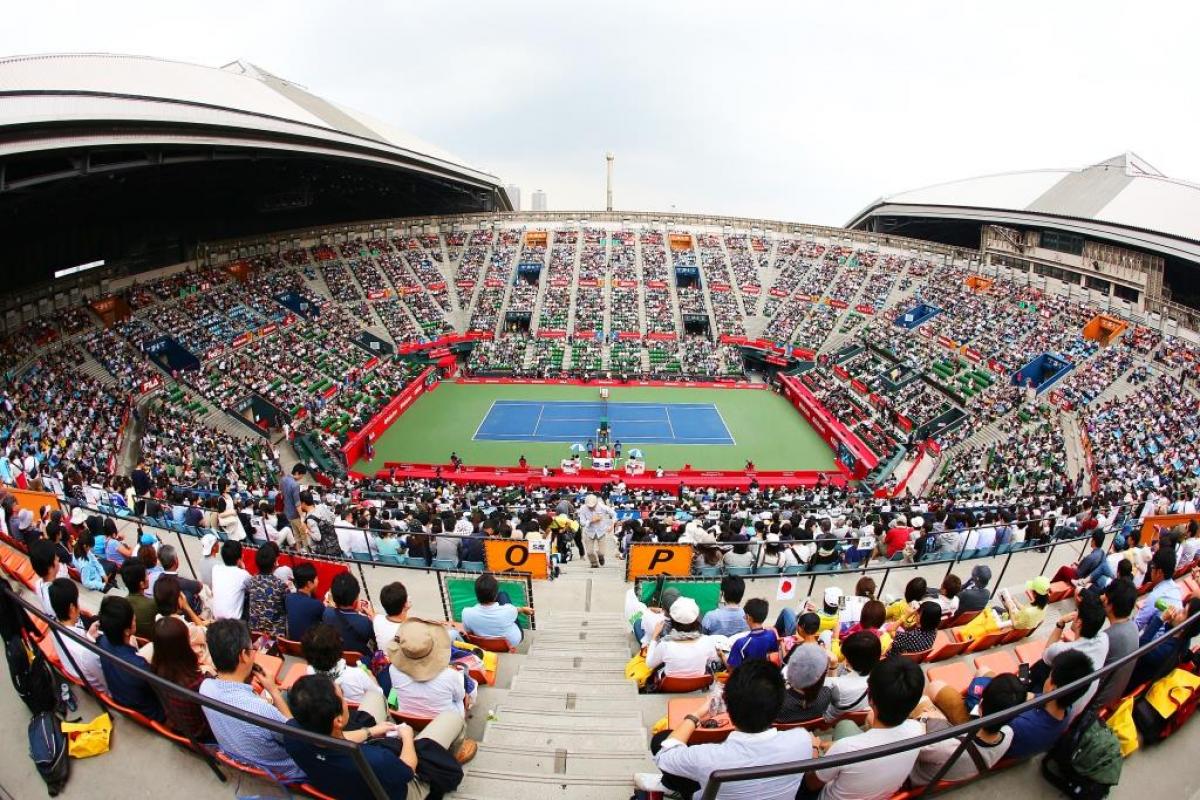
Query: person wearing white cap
209, 545
678, 645
597, 520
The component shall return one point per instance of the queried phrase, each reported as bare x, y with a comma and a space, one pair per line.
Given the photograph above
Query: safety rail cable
733, 775
162, 687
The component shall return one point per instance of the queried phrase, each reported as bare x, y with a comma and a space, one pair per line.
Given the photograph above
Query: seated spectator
74, 657
493, 616
423, 682
1162, 578
975, 595
1119, 600
861, 653
678, 645
266, 594
229, 579
91, 571
116, 628
394, 599
894, 688
1030, 616
193, 590
1085, 624
175, 660
321, 708
758, 642
990, 743
43, 560
807, 696
1036, 730
754, 695
323, 649
233, 655
1174, 650
727, 618
133, 574
948, 595
351, 618
919, 639
303, 609
210, 548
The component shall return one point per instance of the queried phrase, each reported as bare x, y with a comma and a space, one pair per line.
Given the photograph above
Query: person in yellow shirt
1030, 616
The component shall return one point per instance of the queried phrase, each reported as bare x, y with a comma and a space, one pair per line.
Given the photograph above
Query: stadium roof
75, 93
1123, 192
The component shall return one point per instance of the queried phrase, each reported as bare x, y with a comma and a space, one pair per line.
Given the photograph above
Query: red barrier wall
731, 384
354, 447
828, 427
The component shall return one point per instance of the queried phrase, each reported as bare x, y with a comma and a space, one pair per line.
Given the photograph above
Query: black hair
303, 574
227, 639
895, 687
116, 617
951, 586
344, 589
322, 645
266, 557
63, 594
42, 553
1068, 667
315, 703
1098, 538
873, 614
733, 588
754, 694
1041, 600
1164, 562
1002, 693
756, 609
915, 590
300, 469
931, 615
306, 498
1091, 615
231, 552
133, 573
393, 598
166, 595
809, 622
862, 651
486, 589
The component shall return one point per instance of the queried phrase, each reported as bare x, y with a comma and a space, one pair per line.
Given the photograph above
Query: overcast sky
792, 110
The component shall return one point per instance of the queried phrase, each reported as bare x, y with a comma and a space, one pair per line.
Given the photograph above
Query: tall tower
609, 158
539, 200
514, 194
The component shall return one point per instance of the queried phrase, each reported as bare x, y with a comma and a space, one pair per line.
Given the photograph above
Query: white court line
538, 422
479, 427
728, 433
669, 425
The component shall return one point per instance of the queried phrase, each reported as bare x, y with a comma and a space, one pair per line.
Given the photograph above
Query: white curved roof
102, 88
1123, 191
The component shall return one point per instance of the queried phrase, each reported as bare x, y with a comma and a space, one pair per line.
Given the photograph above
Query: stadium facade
136, 160
1119, 229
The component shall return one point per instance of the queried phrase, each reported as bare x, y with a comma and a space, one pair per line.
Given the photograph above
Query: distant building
539, 200
514, 196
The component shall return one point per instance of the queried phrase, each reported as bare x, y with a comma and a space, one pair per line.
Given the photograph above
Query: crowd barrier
853, 456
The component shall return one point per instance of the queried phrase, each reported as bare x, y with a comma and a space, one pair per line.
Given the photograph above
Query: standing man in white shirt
229, 579
597, 521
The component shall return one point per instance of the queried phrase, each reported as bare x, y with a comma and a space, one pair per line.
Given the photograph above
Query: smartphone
1023, 673
842, 602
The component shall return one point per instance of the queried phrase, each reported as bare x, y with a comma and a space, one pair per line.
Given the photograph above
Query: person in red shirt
897, 535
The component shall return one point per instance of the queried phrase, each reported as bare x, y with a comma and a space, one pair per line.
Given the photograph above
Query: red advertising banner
661, 336
593, 282
353, 448
946, 341
926, 332
437, 287
551, 334
657, 284
625, 284
494, 283
841, 372
628, 335
904, 422
719, 287
465, 284
290, 319
996, 367
585, 334
751, 289
802, 353
379, 294
242, 340
778, 293
859, 387
267, 330
829, 428
973, 354
835, 303
560, 282
863, 308
804, 298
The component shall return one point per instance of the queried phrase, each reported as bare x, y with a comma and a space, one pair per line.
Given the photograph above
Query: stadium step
550, 761
575, 736
543, 702
608, 686
571, 721
491, 785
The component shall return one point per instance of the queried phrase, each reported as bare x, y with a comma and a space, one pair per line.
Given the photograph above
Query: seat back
493, 644
417, 723
959, 619
445, 563
945, 646
709, 572
739, 570
390, 559
986, 641
472, 566
769, 570
918, 656
290, 647
681, 685
361, 555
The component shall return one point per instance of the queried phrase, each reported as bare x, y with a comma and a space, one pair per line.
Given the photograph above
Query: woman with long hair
175, 660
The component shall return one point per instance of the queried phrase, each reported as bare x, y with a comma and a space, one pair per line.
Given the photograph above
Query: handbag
637, 670
1121, 723
87, 739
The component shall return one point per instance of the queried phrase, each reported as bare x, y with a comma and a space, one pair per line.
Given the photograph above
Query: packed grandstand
601, 504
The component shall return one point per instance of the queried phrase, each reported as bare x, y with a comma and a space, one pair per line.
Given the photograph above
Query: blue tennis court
632, 423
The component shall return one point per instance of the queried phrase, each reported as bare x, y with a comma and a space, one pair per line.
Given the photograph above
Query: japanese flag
787, 588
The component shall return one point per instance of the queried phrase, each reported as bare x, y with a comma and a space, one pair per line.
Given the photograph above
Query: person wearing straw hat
425, 685
598, 520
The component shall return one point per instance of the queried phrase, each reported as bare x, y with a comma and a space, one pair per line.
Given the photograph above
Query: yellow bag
1121, 723
87, 739
1167, 694
660, 726
983, 623
637, 670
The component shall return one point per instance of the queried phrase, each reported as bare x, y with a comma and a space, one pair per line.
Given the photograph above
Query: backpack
1086, 762
48, 749
32, 676
328, 546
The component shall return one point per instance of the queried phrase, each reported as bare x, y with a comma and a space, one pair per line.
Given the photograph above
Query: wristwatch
1059, 625
692, 718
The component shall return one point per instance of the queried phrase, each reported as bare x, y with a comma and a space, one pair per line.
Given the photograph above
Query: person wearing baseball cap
680, 648
1030, 616
975, 595
210, 546
807, 695
597, 520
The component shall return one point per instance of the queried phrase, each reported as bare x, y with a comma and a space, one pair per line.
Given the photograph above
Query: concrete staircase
570, 726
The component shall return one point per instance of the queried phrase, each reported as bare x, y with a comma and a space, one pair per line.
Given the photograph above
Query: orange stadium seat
999, 662
958, 675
